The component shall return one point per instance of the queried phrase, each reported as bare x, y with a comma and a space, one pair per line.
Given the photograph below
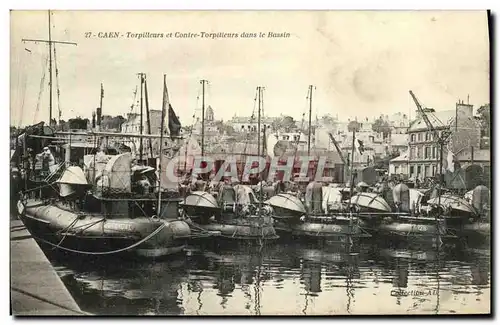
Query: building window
427, 153
412, 153
433, 151
413, 138
419, 137
419, 170
418, 152
433, 170
427, 171
412, 170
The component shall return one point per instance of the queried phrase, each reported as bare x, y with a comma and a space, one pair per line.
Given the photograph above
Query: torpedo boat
314, 218
235, 214
106, 208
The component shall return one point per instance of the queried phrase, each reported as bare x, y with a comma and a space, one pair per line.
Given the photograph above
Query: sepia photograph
250, 163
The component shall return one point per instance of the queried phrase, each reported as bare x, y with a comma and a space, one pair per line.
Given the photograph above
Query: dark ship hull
94, 234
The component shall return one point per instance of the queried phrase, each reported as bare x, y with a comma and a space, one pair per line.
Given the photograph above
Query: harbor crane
440, 139
337, 147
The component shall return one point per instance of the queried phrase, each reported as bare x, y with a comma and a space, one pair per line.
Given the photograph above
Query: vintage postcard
250, 162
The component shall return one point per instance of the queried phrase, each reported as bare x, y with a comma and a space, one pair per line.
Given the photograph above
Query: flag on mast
358, 144
166, 183
174, 125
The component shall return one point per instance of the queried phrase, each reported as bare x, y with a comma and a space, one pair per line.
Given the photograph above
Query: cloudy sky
361, 63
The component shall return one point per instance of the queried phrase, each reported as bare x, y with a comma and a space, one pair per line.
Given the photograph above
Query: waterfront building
423, 147
399, 166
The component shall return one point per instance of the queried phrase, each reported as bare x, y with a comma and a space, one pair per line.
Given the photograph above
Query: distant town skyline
362, 63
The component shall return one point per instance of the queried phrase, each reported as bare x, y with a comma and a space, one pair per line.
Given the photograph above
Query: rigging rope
42, 84
15, 78
59, 108
23, 90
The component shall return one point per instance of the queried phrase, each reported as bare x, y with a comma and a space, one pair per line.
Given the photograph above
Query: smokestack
93, 120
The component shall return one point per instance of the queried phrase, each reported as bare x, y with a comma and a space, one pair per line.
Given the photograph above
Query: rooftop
438, 119
248, 119
401, 158
399, 139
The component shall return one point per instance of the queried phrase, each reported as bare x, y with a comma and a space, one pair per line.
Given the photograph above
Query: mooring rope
65, 230
156, 231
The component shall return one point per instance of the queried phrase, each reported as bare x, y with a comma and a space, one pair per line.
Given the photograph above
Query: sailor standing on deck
48, 159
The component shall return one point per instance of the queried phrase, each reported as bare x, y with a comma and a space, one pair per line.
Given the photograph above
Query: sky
362, 63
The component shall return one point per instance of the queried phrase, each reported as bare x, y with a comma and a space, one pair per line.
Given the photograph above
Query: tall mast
203, 82
259, 99
99, 110
310, 115
50, 73
50, 42
162, 126
262, 114
148, 116
141, 119
351, 189
101, 97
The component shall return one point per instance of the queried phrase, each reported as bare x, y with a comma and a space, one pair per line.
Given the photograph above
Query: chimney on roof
464, 110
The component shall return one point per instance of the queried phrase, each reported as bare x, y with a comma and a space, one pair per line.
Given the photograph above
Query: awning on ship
286, 201
452, 202
200, 199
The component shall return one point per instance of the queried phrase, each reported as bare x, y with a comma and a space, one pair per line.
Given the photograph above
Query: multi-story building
133, 125
399, 165
249, 124
397, 142
423, 148
133, 122
399, 123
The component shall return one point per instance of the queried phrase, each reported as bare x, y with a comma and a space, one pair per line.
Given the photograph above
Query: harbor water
283, 279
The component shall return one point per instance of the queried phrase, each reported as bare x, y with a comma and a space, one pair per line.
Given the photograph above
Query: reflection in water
400, 275
298, 278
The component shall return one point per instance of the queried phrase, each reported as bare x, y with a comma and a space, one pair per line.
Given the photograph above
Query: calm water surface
280, 278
